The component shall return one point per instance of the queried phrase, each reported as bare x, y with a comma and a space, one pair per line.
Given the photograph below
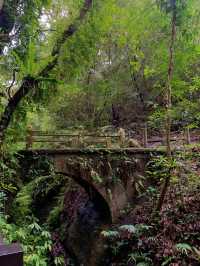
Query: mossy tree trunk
169, 103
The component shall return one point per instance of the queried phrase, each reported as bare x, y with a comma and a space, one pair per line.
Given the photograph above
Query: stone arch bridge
109, 176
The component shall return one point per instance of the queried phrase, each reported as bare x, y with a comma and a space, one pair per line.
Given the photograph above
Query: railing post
29, 138
122, 137
187, 135
108, 143
163, 133
145, 135
80, 141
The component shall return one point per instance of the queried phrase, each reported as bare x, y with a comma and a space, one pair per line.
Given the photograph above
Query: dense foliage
94, 65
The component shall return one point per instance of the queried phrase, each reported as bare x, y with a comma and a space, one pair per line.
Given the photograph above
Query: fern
140, 259
184, 248
40, 187
110, 234
59, 261
167, 261
19, 64
21, 205
131, 229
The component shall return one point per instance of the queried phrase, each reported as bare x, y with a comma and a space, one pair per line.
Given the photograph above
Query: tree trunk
14, 101
169, 104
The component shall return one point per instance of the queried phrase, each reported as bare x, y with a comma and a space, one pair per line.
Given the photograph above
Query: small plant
159, 168
2, 201
188, 250
110, 235
96, 177
151, 191
184, 248
129, 228
59, 261
139, 259
167, 260
128, 237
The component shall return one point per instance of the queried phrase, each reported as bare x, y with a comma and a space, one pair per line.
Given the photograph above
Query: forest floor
170, 238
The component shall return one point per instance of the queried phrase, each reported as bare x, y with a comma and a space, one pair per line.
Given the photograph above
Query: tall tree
172, 6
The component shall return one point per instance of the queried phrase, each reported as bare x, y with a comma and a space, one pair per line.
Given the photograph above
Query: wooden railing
68, 140
82, 139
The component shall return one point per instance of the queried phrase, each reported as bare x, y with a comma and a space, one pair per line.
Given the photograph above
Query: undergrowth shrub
35, 240
34, 191
160, 167
173, 238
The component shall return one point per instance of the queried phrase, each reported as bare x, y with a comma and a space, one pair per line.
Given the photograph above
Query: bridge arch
96, 198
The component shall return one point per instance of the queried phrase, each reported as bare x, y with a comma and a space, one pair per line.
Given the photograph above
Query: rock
133, 143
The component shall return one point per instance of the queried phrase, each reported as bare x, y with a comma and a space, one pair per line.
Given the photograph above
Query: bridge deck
89, 151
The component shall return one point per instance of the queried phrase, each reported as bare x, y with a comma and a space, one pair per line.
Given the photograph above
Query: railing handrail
48, 134
39, 136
